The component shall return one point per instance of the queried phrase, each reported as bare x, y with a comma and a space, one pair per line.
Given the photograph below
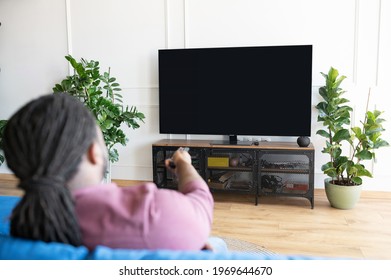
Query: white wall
353, 36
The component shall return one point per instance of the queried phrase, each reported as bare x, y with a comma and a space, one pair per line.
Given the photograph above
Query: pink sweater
144, 216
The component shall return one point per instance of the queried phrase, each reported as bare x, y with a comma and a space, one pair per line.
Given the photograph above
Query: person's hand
180, 165
180, 156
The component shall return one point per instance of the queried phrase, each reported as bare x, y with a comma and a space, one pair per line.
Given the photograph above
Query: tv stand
267, 169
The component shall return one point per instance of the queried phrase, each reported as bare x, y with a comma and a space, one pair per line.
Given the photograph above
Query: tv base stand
229, 143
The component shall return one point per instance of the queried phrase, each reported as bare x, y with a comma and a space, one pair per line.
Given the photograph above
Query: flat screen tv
254, 91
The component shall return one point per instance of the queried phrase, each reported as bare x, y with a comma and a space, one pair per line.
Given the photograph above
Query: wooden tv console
269, 168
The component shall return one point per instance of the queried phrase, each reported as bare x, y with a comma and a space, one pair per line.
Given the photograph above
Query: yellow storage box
218, 161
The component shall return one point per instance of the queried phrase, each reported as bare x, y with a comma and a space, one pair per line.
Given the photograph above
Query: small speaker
303, 141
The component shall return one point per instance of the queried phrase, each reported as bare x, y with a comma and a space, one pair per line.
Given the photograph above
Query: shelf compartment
240, 188
284, 183
238, 169
294, 171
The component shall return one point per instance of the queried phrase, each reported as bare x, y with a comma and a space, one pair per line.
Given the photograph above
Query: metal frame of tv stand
205, 148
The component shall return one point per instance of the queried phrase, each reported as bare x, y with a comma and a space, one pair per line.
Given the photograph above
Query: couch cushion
12, 248
105, 253
7, 203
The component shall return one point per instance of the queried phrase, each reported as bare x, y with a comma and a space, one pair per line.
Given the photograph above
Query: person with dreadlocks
55, 148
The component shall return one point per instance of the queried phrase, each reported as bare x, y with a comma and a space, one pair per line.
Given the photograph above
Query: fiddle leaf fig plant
101, 94
2, 126
334, 113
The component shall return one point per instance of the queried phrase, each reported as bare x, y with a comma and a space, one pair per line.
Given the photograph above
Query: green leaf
72, 61
357, 131
140, 116
380, 143
333, 74
364, 172
58, 88
357, 180
323, 133
338, 81
363, 155
341, 135
101, 117
113, 155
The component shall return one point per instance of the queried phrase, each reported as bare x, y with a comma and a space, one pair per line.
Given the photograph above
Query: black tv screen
263, 91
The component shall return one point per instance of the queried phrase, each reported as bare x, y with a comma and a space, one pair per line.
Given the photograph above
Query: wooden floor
290, 226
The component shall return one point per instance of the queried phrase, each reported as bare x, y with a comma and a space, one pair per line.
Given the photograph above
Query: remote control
172, 164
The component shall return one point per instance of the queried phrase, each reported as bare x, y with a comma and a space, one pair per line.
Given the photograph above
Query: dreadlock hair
44, 142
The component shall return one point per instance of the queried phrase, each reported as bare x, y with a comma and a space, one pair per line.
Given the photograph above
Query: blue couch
12, 248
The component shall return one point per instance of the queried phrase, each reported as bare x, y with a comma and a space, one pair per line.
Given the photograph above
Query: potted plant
2, 126
345, 170
101, 94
